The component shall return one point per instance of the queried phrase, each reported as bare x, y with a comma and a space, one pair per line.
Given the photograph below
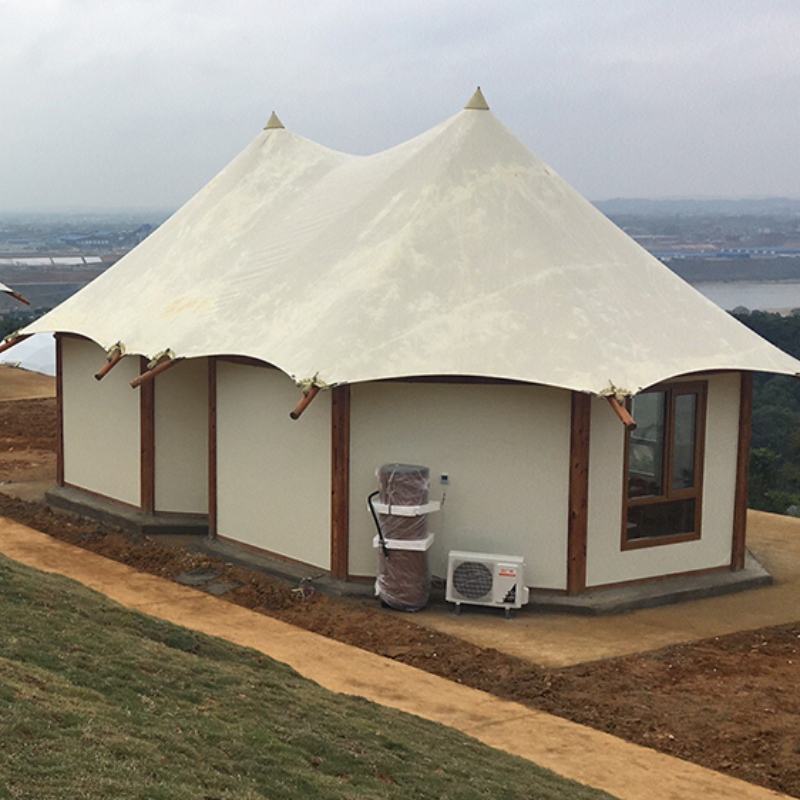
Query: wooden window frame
672, 391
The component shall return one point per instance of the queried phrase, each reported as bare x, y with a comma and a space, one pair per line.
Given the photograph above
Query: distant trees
14, 320
775, 450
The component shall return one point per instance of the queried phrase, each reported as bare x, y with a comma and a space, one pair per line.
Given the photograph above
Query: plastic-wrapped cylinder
403, 579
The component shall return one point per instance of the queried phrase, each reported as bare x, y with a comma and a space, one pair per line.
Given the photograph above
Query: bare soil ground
731, 703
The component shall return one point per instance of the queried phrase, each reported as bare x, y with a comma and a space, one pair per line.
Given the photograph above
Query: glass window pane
646, 452
683, 457
661, 519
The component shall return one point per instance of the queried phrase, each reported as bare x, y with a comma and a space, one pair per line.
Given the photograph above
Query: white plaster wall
273, 473
181, 438
101, 422
606, 561
506, 450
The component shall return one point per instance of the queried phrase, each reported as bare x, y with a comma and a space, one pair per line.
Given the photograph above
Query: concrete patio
561, 639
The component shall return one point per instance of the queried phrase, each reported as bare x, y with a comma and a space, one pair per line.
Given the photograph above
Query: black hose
378, 523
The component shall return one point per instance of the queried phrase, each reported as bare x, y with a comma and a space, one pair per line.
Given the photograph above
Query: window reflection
684, 437
646, 455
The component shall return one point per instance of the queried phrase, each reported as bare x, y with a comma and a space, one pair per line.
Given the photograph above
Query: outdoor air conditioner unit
486, 579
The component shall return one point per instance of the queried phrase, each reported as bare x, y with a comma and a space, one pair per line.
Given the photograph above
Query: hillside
100, 702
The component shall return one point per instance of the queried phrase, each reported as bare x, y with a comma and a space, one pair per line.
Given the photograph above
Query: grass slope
97, 702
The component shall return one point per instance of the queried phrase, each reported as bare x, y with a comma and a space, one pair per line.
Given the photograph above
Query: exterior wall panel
506, 450
101, 423
181, 438
273, 473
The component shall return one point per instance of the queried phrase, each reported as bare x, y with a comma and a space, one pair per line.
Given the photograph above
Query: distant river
770, 296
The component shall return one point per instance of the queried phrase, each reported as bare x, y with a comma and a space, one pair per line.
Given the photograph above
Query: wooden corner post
578, 520
340, 482
147, 433
739, 539
59, 409
212, 447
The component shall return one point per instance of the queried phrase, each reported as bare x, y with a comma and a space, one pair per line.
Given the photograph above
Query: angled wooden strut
145, 377
18, 296
108, 366
11, 342
305, 402
622, 412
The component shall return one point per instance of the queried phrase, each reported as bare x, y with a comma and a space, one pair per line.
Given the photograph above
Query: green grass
100, 702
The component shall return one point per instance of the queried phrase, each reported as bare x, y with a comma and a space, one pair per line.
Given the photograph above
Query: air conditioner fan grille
472, 580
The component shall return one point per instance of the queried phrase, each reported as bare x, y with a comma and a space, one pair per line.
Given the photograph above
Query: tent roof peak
477, 102
273, 123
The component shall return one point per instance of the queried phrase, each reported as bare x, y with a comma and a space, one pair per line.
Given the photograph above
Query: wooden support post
305, 402
147, 433
578, 520
212, 447
622, 412
109, 365
340, 482
59, 410
149, 374
7, 345
739, 539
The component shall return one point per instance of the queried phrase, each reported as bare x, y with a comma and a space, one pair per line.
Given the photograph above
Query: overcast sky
138, 103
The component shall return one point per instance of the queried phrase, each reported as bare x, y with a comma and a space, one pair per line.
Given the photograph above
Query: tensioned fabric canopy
36, 354
456, 253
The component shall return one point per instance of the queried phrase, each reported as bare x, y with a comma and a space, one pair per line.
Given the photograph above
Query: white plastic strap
407, 511
405, 544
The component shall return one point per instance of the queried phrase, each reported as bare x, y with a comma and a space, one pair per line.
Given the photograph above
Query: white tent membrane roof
456, 253
36, 354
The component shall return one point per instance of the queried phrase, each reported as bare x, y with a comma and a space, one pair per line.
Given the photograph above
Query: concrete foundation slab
128, 519
192, 532
651, 594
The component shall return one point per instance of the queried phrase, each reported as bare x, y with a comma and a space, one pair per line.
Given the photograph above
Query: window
664, 466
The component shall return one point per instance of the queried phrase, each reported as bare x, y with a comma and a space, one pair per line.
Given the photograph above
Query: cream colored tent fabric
456, 253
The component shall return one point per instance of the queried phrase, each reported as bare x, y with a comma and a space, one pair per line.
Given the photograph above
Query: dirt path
574, 751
